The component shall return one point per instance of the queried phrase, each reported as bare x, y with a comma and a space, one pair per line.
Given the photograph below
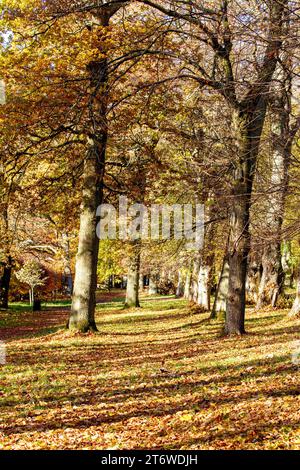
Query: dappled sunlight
152, 379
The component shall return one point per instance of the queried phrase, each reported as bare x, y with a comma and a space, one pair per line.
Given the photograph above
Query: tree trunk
249, 127
193, 295
253, 282
207, 257
82, 316
133, 276
222, 290
204, 286
141, 283
5, 283
180, 287
67, 272
153, 284
6, 242
295, 310
273, 276
187, 285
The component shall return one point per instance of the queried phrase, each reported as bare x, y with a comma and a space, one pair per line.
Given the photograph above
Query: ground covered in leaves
160, 377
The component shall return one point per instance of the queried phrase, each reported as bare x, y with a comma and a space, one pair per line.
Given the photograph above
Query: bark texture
272, 279
82, 316
220, 300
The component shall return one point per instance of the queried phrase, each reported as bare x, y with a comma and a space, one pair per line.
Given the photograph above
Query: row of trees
163, 102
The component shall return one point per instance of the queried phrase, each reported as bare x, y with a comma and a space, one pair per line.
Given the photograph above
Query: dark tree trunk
67, 272
5, 283
249, 126
6, 242
141, 283
249, 119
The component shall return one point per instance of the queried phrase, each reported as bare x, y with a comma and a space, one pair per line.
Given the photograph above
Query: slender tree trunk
204, 286
207, 257
180, 286
82, 316
141, 283
133, 276
193, 295
295, 310
222, 290
7, 263
67, 273
187, 285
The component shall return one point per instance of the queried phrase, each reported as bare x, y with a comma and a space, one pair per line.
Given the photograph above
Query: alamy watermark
2, 353
156, 222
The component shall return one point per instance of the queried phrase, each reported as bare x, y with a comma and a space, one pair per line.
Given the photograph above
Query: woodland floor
160, 377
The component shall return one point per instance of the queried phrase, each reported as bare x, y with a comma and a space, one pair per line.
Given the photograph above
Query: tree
32, 275
272, 279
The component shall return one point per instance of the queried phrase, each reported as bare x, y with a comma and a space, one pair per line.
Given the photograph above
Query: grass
156, 378
24, 306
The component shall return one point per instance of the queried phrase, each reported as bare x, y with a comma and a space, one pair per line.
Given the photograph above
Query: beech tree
282, 134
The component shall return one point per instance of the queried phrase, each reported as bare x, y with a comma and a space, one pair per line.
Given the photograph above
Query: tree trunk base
234, 332
82, 328
133, 305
